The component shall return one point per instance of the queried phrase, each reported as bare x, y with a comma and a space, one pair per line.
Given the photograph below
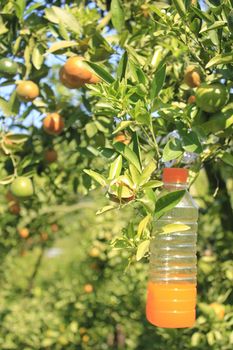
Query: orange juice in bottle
171, 293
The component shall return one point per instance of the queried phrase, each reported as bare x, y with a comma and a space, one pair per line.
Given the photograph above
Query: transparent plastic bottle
171, 294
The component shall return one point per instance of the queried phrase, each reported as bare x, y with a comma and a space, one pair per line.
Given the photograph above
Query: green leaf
191, 142
157, 57
167, 202
152, 184
32, 8
101, 72
128, 154
3, 28
135, 72
56, 14
118, 16
172, 150
203, 15
135, 174
115, 168
142, 225
7, 180
91, 129
134, 145
62, 31
180, 7
157, 82
37, 57
143, 248
4, 106
96, 176
122, 66
216, 25
227, 158
17, 138
27, 57
19, 8
61, 45
147, 172
156, 10
105, 209
224, 58
171, 228
122, 125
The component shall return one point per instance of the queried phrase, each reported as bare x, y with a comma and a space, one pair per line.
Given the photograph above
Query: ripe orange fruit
94, 79
145, 10
53, 124
50, 155
88, 288
27, 90
94, 252
70, 81
219, 310
192, 76
23, 232
122, 137
76, 67
82, 330
191, 99
54, 228
85, 338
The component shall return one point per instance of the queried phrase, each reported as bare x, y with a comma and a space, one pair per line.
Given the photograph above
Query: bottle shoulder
186, 201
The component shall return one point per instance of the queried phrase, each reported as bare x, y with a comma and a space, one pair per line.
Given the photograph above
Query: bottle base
171, 305
168, 321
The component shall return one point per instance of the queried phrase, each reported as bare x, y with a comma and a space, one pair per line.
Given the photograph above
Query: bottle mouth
175, 176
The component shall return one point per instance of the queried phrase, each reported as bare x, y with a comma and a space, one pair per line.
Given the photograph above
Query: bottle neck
175, 186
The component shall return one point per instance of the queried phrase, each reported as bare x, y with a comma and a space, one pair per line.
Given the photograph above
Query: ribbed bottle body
171, 297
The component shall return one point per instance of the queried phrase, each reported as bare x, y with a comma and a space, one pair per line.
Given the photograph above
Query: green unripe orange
22, 187
211, 97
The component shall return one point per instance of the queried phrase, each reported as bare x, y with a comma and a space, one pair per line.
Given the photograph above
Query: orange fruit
191, 99
50, 156
23, 232
122, 137
53, 124
88, 288
219, 310
192, 76
94, 252
85, 338
94, 79
27, 90
76, 67
82, 330
54, 227
70, 81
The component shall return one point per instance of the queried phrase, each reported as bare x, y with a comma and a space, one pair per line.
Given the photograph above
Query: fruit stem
14, 165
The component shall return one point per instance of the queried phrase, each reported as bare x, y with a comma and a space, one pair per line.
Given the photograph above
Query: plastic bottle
171, 294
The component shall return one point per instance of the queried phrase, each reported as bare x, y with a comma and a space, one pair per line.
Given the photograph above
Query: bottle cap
175, 175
